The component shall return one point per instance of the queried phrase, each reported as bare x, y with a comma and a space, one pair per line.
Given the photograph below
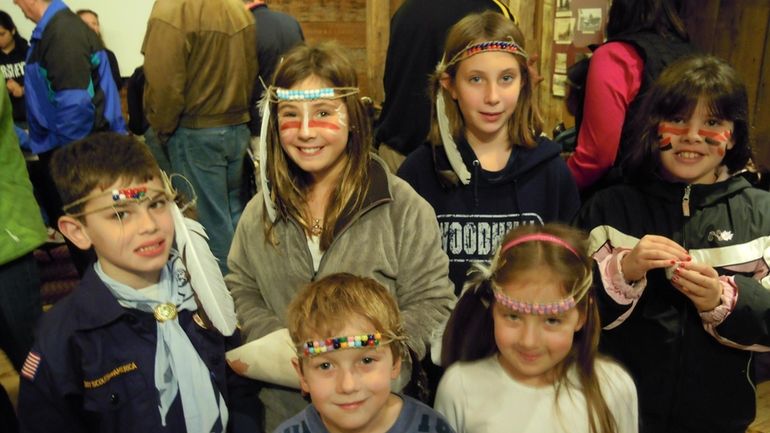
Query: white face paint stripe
341, 116
305, 118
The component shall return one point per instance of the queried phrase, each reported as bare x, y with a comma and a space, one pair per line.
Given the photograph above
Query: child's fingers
703, 290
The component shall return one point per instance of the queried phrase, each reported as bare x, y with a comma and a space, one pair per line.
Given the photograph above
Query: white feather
205, 276
450, 147
264, 186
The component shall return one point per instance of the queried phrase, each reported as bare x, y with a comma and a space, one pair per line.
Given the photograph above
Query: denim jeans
212, 160
19, 307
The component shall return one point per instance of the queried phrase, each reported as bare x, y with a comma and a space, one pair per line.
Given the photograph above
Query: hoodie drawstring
476, 165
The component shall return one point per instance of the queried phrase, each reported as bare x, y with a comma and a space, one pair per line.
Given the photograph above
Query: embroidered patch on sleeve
29, 369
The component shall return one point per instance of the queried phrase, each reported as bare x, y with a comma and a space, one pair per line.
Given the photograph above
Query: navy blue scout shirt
91, 368
414, 417
535, 187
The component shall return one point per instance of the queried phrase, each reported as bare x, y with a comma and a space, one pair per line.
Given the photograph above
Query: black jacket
687, 380
535, 187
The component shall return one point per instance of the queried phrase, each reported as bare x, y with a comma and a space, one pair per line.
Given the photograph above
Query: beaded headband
317, 347
558, 307
119, 196
539, 309
471, 50
278, 94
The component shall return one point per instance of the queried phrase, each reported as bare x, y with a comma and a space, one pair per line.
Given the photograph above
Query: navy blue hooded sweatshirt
534, 187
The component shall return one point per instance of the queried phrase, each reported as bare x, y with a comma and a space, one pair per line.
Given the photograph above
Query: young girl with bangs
487, 168
521, 344
327, 206
682, 253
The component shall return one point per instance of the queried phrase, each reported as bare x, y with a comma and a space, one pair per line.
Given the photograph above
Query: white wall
123, 23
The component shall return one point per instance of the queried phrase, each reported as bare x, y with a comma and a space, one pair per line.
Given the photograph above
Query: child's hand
700, 283
650, 253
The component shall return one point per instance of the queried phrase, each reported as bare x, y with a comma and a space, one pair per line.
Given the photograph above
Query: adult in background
13, 55
417, 33
277, 32
200, 75
68, 90
21, 231
92, 19
644, 36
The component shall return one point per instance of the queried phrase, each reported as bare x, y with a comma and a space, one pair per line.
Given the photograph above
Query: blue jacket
535, 187
91, 368
68, 83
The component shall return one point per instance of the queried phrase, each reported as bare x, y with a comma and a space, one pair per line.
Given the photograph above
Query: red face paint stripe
312, 124
665, 141
721, 137
294, 124
671, 130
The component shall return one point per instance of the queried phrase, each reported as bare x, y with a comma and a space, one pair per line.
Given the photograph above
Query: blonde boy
350, 342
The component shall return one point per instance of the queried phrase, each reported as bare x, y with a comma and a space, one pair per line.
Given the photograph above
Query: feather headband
449, 144
205, 275
275, 95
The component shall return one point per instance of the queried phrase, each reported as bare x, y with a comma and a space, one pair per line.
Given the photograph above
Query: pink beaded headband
552, 308
558, 307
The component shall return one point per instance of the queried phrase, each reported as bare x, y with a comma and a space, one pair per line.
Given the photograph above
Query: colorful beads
504, 46
552, 308
317, 347
129, 193
298, 95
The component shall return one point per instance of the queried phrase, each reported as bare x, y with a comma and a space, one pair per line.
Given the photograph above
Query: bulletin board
577, 25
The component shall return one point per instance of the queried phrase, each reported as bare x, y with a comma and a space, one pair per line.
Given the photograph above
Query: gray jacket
393, 238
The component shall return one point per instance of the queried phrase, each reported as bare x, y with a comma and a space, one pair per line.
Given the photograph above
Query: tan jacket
200, 62
394, 238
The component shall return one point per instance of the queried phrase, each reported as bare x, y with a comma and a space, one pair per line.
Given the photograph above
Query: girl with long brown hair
326, 206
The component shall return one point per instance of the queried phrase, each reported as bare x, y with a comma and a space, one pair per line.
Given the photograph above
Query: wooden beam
377, 34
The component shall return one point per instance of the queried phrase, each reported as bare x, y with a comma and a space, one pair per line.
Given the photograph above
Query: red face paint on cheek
293, 124
665, 143
721, 151
322, 124
714, 138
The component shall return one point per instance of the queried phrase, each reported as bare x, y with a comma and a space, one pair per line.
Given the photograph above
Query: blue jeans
212, 160
19, 307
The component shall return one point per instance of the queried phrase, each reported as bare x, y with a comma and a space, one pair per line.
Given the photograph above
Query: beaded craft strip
558, 307
295, 95
137, 193
504, 46
317, 347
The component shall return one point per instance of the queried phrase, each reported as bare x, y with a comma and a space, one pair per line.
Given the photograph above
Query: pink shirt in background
614, 79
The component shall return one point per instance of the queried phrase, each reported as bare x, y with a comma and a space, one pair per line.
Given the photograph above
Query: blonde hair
289, 183
324, 307
470, 332
525, 125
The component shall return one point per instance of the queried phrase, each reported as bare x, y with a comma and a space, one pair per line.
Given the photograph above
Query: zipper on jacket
686, 201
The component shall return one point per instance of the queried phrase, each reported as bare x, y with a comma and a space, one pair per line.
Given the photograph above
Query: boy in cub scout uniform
129, 350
